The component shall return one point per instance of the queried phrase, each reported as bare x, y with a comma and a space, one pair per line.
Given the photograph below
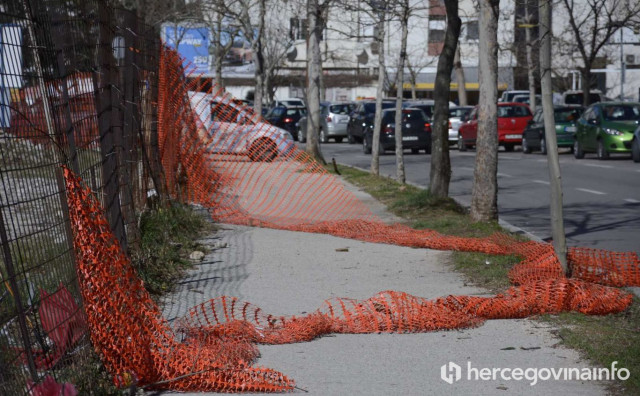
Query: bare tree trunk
586, 85
484, 194
460, 79
377, 123
557, 221
404, 20
219, 50
314, 15
256, 46
440, 174
413, 77
530, 65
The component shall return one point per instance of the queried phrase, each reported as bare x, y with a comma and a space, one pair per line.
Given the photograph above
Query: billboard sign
192, 43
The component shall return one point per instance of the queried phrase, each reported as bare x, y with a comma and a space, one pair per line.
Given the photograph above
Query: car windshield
340, 109
276, 112
427, 109
293, 112
567, 115
621, 112
459, 112
513, 111
576, 98
292, 102
371, 107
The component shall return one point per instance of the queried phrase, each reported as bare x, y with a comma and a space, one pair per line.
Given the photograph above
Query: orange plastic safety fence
223, 156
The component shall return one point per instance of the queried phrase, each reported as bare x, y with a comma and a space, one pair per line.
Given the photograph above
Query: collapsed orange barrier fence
223, 156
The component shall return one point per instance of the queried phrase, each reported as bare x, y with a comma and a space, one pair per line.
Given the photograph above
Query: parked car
286, 117
512, 119
605, 128
289, 102
457, 114
635, 145
566, 117
576, 97
526, 99
362, 118
507, 96
416, 132
426, 105
235, 129
334, 118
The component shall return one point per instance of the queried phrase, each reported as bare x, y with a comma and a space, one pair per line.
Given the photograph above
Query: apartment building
351, 55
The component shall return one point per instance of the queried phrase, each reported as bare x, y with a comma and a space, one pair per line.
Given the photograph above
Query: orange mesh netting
221, 155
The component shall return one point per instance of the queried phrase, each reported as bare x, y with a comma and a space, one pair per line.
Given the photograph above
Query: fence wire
78, 87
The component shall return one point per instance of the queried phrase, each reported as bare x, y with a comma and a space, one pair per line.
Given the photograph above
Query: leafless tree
527, 22
379, 10
277, 43
591, 24
403, 11
417, 60
440, 174
460, 79
557, 222
224, 31
250, 17
316, 12
484, 194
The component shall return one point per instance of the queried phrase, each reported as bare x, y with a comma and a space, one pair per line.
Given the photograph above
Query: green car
605, 128
565, 117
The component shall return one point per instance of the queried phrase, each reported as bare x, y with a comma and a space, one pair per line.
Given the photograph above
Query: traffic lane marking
591, 191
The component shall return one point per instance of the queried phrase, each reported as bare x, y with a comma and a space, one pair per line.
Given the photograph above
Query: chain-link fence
78, 86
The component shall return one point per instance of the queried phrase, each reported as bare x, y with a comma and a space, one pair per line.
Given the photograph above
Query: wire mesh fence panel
76, 89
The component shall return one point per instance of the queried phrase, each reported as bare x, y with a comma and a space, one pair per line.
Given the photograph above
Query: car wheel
543, 146
428, 149
508, 147
302, 136
339, 139
461, 145
350, 138
263, 150
577, 150
323, 136
525, 146
602, 152
415, 151
635, 150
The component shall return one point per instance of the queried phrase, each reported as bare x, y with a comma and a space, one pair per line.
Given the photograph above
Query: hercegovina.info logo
452, 372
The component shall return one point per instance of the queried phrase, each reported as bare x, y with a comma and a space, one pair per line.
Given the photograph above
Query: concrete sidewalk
292, 273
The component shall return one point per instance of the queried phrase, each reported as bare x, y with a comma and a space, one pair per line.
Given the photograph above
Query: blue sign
192, 43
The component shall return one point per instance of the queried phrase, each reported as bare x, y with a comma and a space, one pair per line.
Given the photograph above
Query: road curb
512, 228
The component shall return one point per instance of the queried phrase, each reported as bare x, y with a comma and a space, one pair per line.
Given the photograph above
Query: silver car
334, 117
456, 118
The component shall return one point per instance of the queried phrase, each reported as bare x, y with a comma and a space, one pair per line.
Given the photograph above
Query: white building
350, 55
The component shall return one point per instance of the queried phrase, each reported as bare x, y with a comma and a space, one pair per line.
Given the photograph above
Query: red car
512, 119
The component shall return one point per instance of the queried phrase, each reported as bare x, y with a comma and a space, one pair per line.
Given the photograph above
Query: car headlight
610, 131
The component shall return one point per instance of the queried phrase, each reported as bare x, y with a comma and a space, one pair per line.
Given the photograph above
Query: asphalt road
601, 198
